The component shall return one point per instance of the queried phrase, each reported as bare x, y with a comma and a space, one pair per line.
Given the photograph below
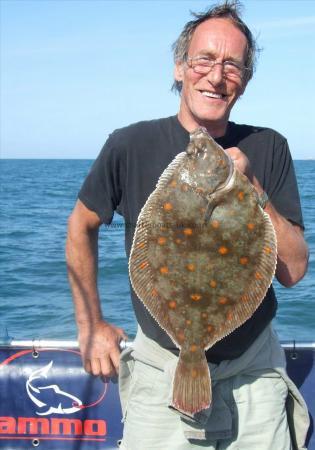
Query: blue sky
72, 71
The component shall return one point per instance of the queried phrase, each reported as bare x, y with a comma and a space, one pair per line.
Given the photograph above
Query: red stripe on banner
13, 357
97, 401
53, 438
25, 352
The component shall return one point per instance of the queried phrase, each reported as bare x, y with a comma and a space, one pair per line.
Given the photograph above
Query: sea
37, 197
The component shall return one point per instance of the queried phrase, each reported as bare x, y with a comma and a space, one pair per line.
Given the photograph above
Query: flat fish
203, 256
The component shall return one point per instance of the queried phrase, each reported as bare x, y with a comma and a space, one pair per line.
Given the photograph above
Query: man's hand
99, 345
240, 161
242, 164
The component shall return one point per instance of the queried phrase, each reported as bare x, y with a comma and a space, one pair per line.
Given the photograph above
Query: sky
72, 71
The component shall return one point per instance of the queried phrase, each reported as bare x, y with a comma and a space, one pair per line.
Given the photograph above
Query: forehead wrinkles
219, 38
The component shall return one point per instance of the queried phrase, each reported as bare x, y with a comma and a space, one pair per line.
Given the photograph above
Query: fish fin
192, 383
265, 269
264, 272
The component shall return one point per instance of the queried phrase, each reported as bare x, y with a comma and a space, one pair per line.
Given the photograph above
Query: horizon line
310, 158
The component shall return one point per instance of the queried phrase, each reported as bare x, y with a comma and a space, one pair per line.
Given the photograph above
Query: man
214, 60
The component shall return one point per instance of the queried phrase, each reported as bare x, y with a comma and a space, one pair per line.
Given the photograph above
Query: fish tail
192, 383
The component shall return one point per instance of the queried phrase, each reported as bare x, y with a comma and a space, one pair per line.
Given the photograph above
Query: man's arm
292, 249
98, 340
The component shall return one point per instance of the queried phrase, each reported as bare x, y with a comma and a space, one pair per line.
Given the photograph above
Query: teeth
211, 94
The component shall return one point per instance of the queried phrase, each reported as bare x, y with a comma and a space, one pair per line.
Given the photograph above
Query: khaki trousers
248, 408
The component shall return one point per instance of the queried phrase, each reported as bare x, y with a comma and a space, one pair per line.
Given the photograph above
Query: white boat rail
73, 344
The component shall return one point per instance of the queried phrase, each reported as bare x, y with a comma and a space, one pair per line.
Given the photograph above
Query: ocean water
37, 197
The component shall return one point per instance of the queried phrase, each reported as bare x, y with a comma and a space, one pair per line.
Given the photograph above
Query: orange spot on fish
178, 241
193, 348
196, 297
164, 270
223, 300
173, 183
250, 226
194, 373
184, 187
223, 250
204, 315
229, 316
143, 265
240, 195
140, 244
191, 267
168, 206
267, 250
154, 292
209, 328
215, 224
200, 190
244, 298
244, 260
181, 336
188, 322
172, 304
213, 283
258, 276
161, 240
188, 231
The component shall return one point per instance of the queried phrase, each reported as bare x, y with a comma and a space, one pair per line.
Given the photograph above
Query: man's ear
179, 71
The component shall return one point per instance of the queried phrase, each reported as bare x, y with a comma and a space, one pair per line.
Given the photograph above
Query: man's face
206, 100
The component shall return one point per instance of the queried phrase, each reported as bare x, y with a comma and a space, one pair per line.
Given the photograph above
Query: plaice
203, 256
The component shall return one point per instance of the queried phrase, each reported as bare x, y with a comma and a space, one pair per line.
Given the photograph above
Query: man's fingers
241, 162
115, 357
108, 370
87, 366
100, 347
107, 366
96, 366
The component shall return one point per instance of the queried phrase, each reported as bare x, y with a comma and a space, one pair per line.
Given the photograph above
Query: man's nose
216, 75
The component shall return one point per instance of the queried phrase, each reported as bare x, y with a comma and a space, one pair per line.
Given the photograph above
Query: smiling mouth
213, 95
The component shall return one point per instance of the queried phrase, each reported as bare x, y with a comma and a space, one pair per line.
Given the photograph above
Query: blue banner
48, 401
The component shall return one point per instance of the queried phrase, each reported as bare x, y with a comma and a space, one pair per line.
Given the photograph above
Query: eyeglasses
203, 65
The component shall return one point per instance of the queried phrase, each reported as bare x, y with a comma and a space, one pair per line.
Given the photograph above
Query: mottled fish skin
203, 257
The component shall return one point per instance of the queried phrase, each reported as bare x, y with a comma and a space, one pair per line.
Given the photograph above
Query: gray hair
230, 9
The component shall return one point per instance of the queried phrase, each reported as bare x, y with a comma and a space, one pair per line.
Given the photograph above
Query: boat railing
73, 344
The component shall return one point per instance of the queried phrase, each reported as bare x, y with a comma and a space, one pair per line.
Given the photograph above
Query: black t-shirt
127, 170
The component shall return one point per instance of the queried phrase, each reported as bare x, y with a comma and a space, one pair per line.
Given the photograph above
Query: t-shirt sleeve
101, 190
283, 190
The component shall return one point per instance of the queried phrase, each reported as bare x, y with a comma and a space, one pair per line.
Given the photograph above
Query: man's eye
231, 64
204, 61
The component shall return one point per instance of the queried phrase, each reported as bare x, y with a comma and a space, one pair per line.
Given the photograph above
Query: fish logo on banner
67, 403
